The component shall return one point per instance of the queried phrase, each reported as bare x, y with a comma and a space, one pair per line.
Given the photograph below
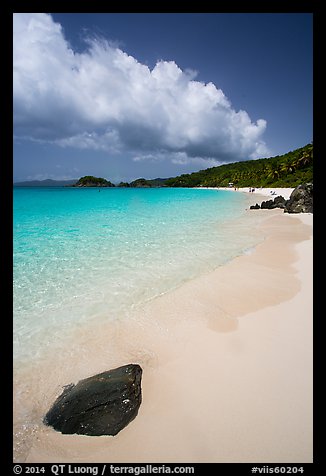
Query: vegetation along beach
163, 243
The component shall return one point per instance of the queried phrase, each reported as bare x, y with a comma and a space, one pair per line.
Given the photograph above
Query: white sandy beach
227, 364
265, 192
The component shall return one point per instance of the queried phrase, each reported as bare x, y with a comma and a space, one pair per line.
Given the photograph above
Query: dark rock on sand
301, 199
278, 202
268, 204
99, 405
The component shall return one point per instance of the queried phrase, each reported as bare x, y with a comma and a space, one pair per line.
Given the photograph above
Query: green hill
148, 183
288, 170
90, 181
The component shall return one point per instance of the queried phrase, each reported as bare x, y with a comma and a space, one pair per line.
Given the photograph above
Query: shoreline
263, 191
227, 364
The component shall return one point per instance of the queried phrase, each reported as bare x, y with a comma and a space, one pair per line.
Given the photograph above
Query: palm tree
288, 167
306, 158
274, 172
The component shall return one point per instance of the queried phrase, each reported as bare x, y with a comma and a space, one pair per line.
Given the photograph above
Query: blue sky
124, 96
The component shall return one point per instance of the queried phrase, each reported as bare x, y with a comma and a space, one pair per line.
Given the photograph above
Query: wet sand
226, 358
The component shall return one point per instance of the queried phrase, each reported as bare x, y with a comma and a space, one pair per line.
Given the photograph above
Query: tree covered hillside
288, 170
91, 181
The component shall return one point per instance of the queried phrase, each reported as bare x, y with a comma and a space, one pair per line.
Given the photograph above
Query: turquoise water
81, 254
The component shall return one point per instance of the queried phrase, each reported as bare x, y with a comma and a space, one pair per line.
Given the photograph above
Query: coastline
264, 192
227, 361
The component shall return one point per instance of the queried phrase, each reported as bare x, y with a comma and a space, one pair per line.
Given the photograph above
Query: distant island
287, 170
45, 183
141, 183
91, 181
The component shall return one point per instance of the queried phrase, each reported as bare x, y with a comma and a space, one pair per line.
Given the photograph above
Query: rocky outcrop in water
300, 201
99, 405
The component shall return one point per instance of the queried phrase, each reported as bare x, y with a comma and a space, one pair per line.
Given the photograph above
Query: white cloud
108, 141
104, 99
178, 158
181, 158
158, 157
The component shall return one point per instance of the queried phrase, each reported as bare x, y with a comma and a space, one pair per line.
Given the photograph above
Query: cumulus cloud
104, 99
178, 158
